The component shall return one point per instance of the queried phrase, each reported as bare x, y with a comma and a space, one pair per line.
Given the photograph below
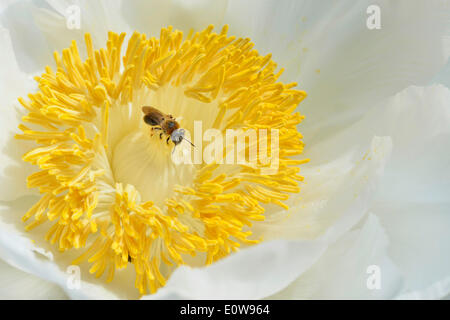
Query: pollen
111, 193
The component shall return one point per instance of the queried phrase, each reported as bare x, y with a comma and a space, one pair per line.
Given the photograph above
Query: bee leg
168, 139
160, 135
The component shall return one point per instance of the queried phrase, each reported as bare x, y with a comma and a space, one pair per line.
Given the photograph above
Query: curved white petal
38, 29
267, 268
418, 119
30, 253
5, 4
337, 189
251, 274
438, 290
13, 83
150, 16
99, 17
29, 44
16, 284
59, 23
356, 259
342, 65
42, 29
443, 76
368, 66
420, 242
413, 204
412, 201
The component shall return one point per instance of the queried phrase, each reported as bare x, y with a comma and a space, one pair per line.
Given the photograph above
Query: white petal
29, 252
344, 271
30, 47
13, 83
443, 76
418, 119
38, 29
150, 16
368, 66
342, 65
339, 188
267, 268
15, 284
42, 260
438, 290
251, 274
412, 201
6, 3
413, 204
420, 242
96, 17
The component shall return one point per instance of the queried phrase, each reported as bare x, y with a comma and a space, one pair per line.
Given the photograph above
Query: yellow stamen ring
89, 209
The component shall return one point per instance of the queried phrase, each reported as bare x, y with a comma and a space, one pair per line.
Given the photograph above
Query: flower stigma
108, 187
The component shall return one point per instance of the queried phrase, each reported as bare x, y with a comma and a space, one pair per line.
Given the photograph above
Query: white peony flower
371, 219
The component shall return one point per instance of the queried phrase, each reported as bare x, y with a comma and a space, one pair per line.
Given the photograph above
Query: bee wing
152, 116
153, 110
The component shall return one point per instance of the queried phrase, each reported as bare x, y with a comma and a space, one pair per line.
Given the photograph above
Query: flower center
141, 155
107, 178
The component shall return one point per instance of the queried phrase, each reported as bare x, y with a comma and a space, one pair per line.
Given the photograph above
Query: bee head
177, 135
171, 124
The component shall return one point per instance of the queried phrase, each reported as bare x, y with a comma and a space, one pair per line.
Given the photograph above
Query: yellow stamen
71, 119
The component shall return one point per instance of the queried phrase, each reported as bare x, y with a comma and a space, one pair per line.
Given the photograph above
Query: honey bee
166, 123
